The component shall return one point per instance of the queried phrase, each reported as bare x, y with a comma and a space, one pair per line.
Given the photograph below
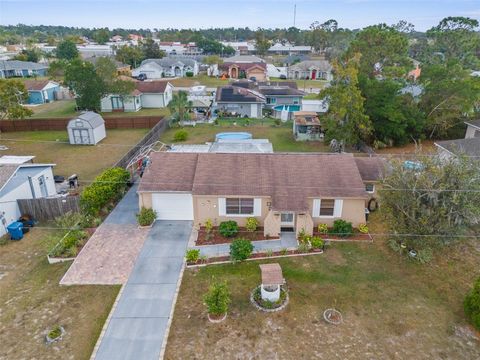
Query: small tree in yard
471, 305
13, 94
240, 249
217, 299
432, 205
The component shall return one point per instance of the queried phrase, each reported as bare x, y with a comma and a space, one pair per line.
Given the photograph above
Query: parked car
283, 77
253, 78
141, 77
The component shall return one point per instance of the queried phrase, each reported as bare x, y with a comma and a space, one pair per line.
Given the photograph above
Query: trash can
15, 230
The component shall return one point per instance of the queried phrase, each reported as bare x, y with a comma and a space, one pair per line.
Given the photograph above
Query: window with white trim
239, 206
370, 188
327, 207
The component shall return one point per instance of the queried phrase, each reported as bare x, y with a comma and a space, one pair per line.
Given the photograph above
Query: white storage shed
86, 129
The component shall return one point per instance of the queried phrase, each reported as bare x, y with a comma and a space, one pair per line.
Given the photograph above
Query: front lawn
392, 308
33, 303
85, 161
280, 136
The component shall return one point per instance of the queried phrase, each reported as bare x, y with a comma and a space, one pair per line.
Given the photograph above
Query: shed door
81, 136
173, 206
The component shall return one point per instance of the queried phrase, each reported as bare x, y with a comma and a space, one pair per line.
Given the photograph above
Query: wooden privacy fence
49, 208
152, 136
111, 122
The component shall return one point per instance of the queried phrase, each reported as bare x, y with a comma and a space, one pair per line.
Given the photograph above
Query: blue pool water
233, 136
289, 108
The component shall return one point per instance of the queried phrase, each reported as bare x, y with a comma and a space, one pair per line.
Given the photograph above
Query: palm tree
179, 105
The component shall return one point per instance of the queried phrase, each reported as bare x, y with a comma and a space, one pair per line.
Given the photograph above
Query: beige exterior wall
304, 222
271, 224
353, 210
145, 200
257, 73
206, 207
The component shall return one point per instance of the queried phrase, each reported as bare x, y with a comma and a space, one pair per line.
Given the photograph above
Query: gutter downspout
32, 189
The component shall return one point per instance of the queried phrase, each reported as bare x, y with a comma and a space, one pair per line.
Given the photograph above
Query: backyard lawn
85, 161
32, 303
202, 79
392, 308
66, 108
280, 136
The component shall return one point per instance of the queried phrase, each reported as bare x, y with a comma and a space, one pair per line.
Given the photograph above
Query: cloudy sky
253, 13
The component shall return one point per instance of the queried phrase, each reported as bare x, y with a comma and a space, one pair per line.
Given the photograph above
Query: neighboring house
241, 47
473, 129
311, 69
88, 128
241, 101
167, 67
247, 59
306, 126
41, 91
282, 191
16, 68
281, 93
22, 181
147, 94
289, 49
469, 146
372, 170
122, 69
243, 70
276, 71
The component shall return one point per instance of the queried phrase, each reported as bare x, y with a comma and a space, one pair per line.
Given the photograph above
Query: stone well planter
333, 316
50, 340
278, 307
215, 320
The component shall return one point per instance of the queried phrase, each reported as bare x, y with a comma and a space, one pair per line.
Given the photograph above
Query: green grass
396, 306
199, 80
280, 136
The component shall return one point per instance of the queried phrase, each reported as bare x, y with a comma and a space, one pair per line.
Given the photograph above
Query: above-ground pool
288, 108
233, 136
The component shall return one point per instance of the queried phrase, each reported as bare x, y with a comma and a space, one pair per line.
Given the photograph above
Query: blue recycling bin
15, 230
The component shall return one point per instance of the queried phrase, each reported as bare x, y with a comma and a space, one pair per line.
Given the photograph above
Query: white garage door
173, 206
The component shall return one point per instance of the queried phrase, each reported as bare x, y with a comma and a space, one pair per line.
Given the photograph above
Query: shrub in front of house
322, 228
192, 255
228, 228
69, 244
106, 187
189, 74
342, 228
363, 228
471, 305
316, 242
217, 298
252, 224
240, 249
180, 135
146, 216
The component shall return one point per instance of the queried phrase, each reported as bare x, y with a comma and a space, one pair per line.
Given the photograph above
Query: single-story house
282, 191
473, 129
311, 69
281, 93
238, 100
22, 181
243, 70
122, 69
372, 170
248, 59
147, 94
306, 126
17, 68
288, 49
41, 91
167, 67
88, 128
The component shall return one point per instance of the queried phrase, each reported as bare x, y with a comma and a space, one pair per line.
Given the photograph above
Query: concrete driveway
137, 327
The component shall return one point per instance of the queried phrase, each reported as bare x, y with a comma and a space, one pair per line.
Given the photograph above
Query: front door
43, 186
287, 221
314, 74
117, 103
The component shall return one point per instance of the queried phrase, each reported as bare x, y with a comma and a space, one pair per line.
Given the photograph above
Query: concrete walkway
138, 325
287, 241
109, 255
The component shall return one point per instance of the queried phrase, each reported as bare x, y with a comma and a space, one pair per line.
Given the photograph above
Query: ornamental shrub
316, 242
189, 74
180, 135
192, 255
106, 187
322, 228
342, 228
146, 216
471, 305
363, 228
240, 249
251, 224
228, 228
217, 298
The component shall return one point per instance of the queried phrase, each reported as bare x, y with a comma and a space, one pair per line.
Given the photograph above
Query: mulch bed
216, 238
357, 236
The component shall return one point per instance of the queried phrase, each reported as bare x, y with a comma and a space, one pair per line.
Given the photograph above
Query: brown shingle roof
36, 85
152, 87
271, 274
290, 179
6, 172
370, 168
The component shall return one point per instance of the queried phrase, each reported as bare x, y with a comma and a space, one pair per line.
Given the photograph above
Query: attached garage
173, 206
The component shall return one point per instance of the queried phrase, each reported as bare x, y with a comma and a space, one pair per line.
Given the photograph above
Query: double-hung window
327, 207
370, 188
239, 206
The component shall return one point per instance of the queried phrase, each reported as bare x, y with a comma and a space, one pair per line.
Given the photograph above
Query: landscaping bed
357, 236
214, 237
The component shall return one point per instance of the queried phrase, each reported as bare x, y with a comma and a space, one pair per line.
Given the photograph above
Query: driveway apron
138, 324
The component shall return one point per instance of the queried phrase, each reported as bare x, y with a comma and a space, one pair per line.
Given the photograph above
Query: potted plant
146, 217
217, 300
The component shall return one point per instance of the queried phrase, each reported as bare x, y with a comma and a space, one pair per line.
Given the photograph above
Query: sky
227, 13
